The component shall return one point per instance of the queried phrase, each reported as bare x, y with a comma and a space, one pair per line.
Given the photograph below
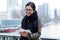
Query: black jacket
30, 22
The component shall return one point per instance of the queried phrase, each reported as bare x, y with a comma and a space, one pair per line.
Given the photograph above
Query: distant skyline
52, 5
56, 12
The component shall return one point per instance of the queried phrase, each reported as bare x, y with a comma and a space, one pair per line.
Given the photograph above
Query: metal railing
9, 36
3, 37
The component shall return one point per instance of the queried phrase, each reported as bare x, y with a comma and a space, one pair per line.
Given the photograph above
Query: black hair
31, 4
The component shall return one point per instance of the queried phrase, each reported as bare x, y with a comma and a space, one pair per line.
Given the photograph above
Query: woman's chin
28, 15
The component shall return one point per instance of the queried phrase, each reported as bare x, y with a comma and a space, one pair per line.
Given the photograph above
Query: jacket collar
32, 17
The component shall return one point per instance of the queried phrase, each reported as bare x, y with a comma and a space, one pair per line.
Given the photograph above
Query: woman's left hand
24, 34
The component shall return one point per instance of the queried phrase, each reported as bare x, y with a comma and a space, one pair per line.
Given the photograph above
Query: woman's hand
24, 34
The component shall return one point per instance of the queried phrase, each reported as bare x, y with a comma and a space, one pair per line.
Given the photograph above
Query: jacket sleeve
37, 34
34, 26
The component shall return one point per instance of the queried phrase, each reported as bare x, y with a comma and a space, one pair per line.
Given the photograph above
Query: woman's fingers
25, 34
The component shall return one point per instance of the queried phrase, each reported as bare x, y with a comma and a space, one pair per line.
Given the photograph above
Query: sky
3, 5
52, 4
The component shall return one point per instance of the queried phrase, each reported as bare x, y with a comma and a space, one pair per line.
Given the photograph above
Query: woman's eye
28, 10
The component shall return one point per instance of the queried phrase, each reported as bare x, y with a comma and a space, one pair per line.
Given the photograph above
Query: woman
30, 21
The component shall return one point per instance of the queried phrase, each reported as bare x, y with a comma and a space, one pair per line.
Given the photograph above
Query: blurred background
48, 10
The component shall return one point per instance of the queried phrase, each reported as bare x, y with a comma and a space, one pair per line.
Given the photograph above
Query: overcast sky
52, 4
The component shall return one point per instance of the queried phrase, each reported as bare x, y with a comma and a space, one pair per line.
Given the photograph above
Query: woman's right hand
24, 34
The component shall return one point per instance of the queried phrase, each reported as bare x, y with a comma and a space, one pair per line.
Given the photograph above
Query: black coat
31, 23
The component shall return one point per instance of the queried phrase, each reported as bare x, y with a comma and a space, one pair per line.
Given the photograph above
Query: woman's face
29, 10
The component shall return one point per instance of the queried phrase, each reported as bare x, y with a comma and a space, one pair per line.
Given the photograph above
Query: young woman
30, 21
